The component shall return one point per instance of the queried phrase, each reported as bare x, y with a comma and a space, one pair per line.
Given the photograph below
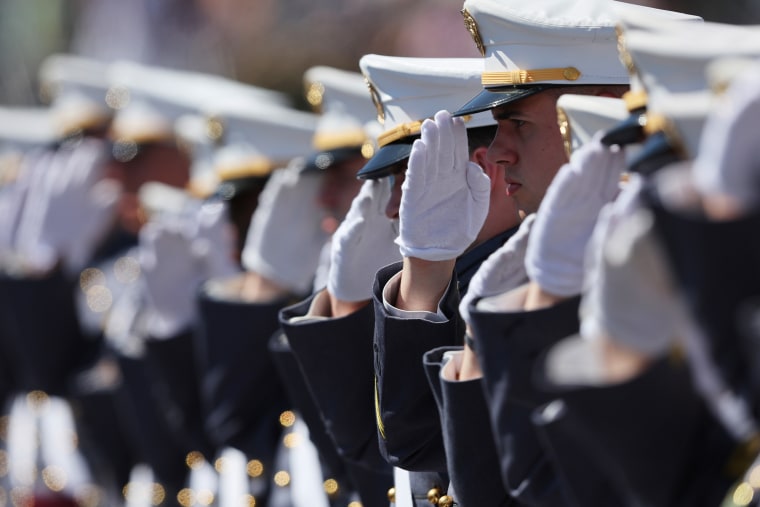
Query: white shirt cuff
390, 293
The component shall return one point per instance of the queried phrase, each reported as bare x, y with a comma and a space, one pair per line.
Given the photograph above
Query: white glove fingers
461, 145
447, 164
414, 183
478, 182
431, 136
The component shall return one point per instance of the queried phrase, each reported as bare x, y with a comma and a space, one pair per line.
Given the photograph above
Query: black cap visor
628, 131
383, 162
324, 160
494, 97
655, 153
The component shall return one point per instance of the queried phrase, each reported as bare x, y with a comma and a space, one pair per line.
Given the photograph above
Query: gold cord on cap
399, 132
520, 77
635, 100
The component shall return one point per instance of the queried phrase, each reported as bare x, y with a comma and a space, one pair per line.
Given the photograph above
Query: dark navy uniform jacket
650, 440
508, 344
410, 423
241, 391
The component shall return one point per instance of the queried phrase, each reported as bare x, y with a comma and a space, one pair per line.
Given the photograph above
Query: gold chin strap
404, 130
520, 77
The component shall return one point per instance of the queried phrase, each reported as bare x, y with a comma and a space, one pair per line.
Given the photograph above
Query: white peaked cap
640, 17
150, 99
582, 116
22, 128
76, 87
721, 72
528, 46
673, 67
256, 139
674, 61
407, 90
342, 99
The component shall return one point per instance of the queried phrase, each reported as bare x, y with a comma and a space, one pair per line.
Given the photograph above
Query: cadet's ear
491, 169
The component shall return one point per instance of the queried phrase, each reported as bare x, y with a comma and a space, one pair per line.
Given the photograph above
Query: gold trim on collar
520, 77
399, 132
472, 26
635, 100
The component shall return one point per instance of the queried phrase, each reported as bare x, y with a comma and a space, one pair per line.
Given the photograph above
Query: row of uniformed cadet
584, 378
535, 300
153, 382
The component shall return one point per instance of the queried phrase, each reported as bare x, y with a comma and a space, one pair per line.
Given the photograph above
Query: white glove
630, 297
285, 237
445, 196
69, 209
214, 240
363, 243
172, 274
502, 271
566, 217
728, 152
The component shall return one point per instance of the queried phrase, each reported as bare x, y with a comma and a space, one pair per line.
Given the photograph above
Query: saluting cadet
344, 140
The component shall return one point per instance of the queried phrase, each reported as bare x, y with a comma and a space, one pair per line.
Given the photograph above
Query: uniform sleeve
471, 456
240, 386
654, 438
508, 344
174, 366
371, 483
335, 356
41, 330
407, 418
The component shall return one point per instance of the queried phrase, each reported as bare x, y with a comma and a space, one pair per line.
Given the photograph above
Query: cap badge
472, 27
375, 95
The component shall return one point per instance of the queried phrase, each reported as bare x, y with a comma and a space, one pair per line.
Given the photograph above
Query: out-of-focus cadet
406, 91
344, 140
723, 172
186, 242
248, 409
51, 242
701, 259
25, 131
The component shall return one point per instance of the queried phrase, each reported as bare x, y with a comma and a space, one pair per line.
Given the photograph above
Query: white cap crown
408, 90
